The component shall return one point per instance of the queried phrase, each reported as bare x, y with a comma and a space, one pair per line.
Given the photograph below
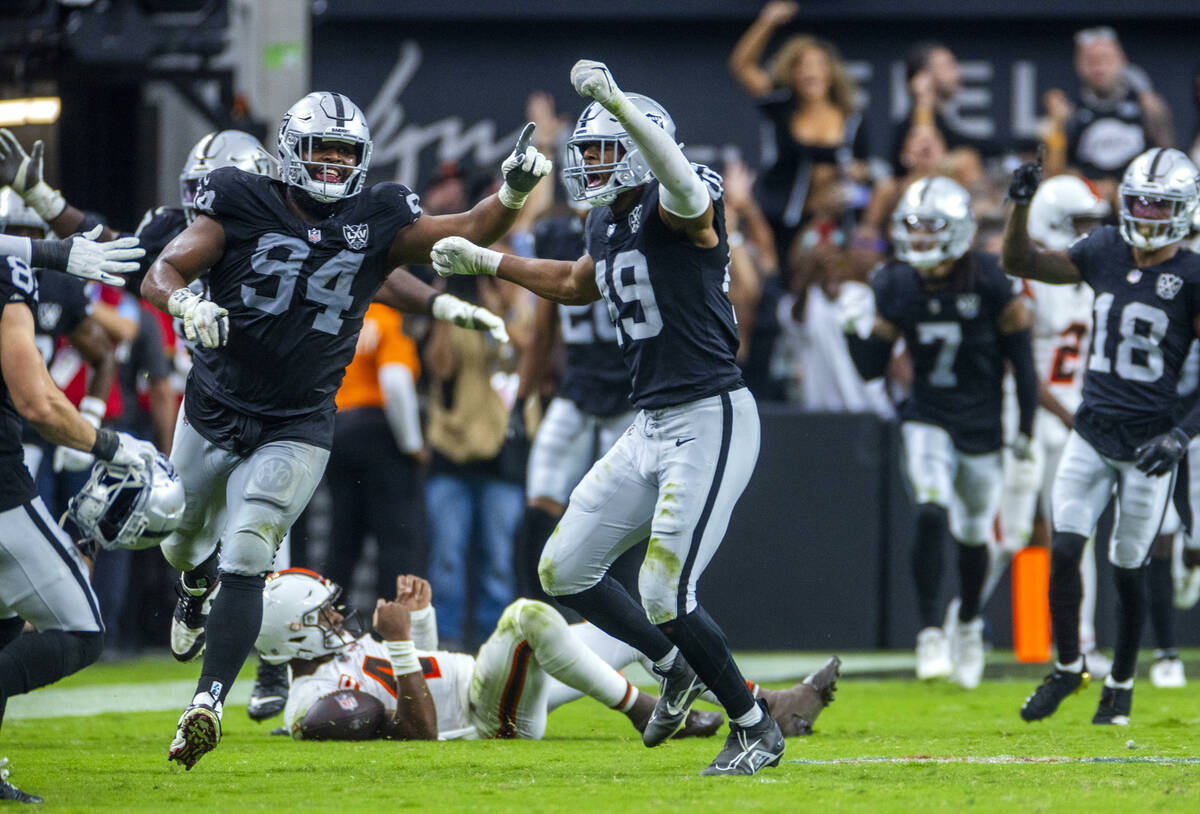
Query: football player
43, 577
656, 251
962, 322
1125, 436
292, 266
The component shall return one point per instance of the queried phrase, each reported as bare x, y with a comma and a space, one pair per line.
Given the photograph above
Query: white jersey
1062, 319
366, 666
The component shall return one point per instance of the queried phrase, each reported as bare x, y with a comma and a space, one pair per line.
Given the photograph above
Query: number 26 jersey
296, 292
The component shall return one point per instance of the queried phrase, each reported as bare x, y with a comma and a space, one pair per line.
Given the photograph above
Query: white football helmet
1159, 195
933, 222
121, 507
626, 170
223, 148
1058, 203
14, 214
323, 116
295, 624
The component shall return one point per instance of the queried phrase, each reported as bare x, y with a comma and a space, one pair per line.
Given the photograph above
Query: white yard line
998, 760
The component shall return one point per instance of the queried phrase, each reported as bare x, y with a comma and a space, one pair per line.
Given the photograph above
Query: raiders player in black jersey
43, 577
657, 254
962, 322
292, 266
1125, 436
588, 413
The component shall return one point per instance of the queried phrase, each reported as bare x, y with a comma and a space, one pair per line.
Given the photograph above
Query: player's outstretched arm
1019, 256
684, 202
571, 283
404, 292
416, 716
193, 251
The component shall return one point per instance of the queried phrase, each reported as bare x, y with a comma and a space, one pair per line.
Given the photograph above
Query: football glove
856, 310
523, 168
23, 172
102, 261
593, 80
1022, 447
457, 255
1159, 455
1025, 180
461, 313
203, 320
1023, 469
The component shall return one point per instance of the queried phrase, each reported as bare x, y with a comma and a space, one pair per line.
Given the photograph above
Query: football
345, 715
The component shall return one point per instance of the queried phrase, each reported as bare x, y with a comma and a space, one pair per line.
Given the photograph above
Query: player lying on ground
406, 688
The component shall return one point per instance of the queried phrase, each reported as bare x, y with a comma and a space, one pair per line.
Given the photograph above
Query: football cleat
270, 693
1055, 688
189, 620
10, 792
796, 709
933, 654
1114, 706
968, 653
1167, 673
698, 724
748, 749
678, 690
198, 732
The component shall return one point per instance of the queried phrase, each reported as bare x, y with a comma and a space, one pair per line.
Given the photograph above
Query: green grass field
873, 751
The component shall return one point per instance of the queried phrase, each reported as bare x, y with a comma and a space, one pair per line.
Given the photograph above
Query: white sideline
998, 760
52, 702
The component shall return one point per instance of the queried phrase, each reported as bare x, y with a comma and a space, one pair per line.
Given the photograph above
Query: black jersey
668, 300
594, 375
296, 294
63, 303
18, 285
1142, 330
950, 329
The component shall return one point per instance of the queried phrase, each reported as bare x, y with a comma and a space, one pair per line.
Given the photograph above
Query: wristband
106, 444
49, 254
404, 657
91, 406
510, 197
44, 199
179, 298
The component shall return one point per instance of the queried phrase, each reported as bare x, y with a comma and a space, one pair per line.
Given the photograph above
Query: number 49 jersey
1142, 329
668, 299
958, 369
296, 292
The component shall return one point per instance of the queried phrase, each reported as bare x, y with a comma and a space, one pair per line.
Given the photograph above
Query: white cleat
1167, 673
968, 653
1098, 664
933, 655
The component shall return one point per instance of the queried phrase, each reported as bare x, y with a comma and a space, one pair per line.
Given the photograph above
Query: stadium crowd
431, 458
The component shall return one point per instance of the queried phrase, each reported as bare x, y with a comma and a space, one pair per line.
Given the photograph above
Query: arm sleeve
683, 193
400, 405
1018, 349
870, 355
424, 629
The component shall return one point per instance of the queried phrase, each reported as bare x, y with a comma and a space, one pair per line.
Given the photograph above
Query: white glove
856, 310
23, 172
204, 321
461, 313
100, 261
133, 452
68, 459
523, 168
1023, 467
593, 80
457, 255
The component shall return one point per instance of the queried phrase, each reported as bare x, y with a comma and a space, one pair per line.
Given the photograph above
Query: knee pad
187, 552
535, 620
247, 553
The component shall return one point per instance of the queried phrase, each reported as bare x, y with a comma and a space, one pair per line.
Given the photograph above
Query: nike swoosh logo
681, 441
678, 705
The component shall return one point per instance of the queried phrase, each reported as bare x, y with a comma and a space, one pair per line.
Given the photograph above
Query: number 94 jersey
668, 299
296, 292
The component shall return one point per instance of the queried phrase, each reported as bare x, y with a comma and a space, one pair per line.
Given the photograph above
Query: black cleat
1053, 691
678, 690
189, 620
1114, 708
748, 750
10, 792
270, 693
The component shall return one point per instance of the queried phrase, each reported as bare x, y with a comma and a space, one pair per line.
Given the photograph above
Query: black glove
517, 430
1025, 180
1160, 454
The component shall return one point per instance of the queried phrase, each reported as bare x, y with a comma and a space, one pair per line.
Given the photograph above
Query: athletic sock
233, 625
1075, 666
1131, 614
1162, 602
750, 718
703, 644
1066, 593
566, 658
610, 607
933, 526
972, 571
666, 662
1127, 684
536, 527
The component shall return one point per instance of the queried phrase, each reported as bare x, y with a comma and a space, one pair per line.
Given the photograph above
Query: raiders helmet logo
356, 235
968, 305
635, 218
1167, 286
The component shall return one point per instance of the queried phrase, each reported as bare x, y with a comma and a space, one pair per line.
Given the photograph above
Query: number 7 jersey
296, 292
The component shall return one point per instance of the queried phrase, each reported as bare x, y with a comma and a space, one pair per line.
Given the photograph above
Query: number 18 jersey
296, 293
668, 299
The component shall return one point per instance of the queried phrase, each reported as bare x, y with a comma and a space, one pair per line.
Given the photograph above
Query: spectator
474, 493
1117, 115
374, 467
816, 154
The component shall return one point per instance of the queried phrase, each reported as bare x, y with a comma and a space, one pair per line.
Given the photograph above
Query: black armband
49, 254
106, 444
429, 302
1018, 349
870, 355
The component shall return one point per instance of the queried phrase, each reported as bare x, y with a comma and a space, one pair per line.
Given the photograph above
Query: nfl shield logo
314, 235
356, 235
968, 305
347, 702
1167, 286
